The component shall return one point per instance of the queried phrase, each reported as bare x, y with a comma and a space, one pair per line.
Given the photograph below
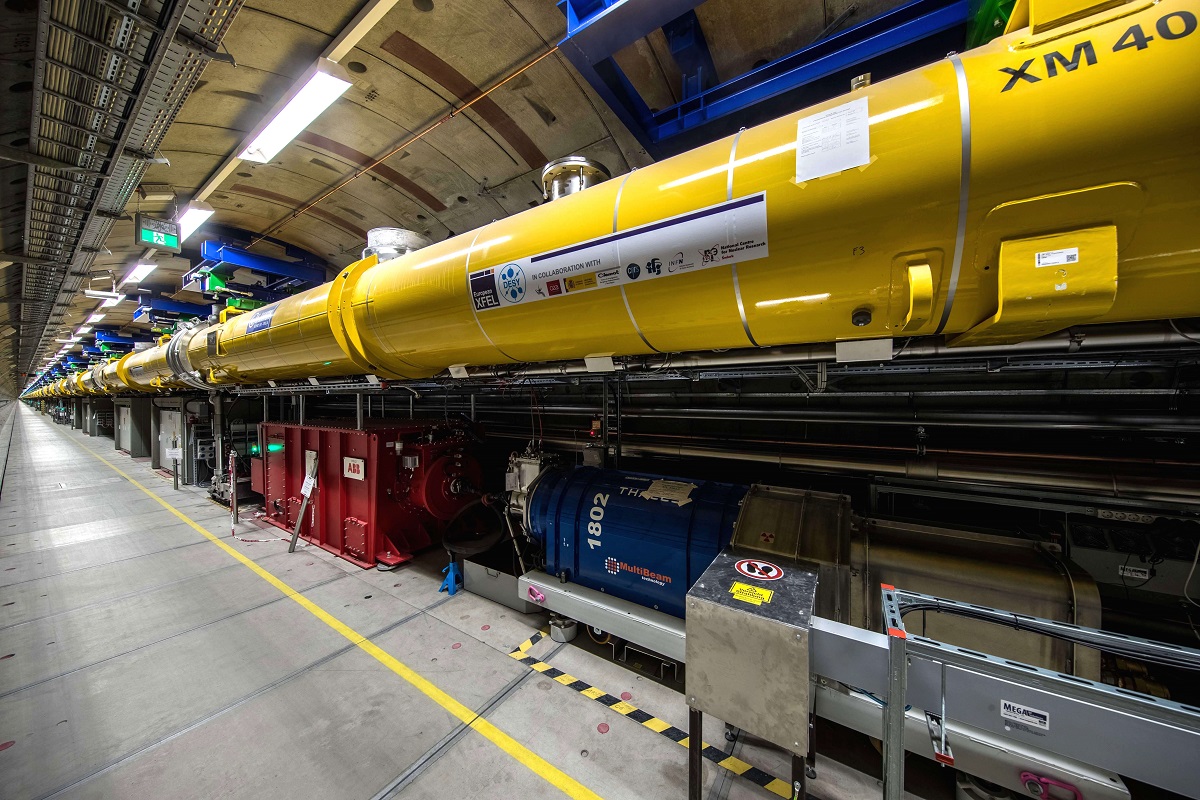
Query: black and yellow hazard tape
735, 765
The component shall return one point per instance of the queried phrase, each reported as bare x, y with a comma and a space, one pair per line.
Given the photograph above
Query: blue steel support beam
107, 337
227, 258
598, 28
689, 48
901, 27
899, 39
161, 305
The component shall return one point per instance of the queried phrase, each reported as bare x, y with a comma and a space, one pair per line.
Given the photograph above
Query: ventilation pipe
389, 243
571, 174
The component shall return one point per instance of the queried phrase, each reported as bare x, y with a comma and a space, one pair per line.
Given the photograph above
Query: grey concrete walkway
140, 659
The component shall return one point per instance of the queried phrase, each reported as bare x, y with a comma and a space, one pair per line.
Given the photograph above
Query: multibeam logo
1033, 717
614, 567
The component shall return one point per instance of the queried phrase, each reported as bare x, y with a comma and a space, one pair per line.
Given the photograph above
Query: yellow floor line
531, 760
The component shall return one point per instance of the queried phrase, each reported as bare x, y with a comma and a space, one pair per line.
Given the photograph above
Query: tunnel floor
146, 650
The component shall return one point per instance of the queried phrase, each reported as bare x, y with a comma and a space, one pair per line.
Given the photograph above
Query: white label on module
833, 141
726, 233
1137, 573
675, 492
1056, 258
1033, 717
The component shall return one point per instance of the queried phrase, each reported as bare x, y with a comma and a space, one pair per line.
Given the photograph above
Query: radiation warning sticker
758, 569
755, 595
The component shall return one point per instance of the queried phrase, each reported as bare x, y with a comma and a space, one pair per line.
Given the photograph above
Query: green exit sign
157, 233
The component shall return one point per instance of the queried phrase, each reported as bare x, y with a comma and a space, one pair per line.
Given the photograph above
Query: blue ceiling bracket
282, 278
898, 40
163, 310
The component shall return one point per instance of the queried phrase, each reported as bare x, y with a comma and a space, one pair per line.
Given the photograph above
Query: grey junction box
748, 623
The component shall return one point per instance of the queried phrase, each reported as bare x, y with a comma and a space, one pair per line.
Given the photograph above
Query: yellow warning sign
755, 595
581, 282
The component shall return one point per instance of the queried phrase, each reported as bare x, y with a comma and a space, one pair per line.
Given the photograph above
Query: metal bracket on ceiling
204, 47
891, 42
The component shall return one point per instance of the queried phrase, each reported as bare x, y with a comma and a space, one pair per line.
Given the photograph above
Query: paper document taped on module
832, 141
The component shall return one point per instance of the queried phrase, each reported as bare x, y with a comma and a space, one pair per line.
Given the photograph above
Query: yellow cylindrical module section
146, 370
1034, 183
894, 230
289, 339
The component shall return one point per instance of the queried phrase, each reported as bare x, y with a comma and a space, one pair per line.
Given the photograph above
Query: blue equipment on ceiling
896, 41
120, 339
274, 278
163, 311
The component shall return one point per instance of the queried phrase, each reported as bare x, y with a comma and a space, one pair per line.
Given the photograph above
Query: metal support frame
1141, 737
226, 258
1059, 724
893, 711
368, 383
162, 305
899, 39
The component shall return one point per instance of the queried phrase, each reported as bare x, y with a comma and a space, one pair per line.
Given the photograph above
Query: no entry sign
758, 569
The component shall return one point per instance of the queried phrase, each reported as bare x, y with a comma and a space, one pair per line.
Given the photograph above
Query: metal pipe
968, 420
300, 400
1110, 484
1070, 341
218, 427
931, 469
1097, 421
358, 411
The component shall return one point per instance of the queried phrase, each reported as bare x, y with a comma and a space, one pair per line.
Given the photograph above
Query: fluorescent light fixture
84, 329
112, 301
139, 273
94, 318
95, 295
316, 90
194, 215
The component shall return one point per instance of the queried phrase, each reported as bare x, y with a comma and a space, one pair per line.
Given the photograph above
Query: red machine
381, 493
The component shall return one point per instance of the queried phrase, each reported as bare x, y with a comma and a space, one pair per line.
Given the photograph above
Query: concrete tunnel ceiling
422, 59
419, 61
